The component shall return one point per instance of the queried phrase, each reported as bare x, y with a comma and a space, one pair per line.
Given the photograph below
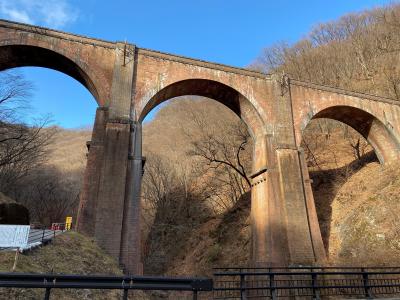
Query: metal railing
41, 236
232, 283
124, 283
44, 235
305, 282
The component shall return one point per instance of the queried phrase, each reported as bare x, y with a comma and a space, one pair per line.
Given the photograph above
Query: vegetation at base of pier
69, 253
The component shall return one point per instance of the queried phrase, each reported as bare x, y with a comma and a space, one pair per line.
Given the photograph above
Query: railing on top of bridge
305, 282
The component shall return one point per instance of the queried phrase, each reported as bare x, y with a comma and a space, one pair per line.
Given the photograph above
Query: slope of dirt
69, 253
366, 218
222, 240
363, 219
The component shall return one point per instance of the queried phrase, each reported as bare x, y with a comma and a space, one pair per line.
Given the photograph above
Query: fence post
125, 295
367, 290
314, 283
272, 286
242, 287
47, 294
43, 235
195, 295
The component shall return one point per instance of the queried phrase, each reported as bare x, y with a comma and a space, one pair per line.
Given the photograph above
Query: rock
12, 212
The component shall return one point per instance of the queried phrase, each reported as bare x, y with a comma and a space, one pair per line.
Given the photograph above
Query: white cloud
49, 13
19, 16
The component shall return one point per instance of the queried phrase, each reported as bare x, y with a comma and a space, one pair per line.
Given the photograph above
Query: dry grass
70, 253
365, 218
222, 240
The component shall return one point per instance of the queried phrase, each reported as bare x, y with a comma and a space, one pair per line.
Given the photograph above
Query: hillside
68, 150
69, 253
365, 218
222, 240
360, 225
51, 190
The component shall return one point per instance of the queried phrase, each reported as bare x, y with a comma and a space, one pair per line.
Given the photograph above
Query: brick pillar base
269, 243
318, 244
130, 255
86, 218
285, 228
304, 239
110, 206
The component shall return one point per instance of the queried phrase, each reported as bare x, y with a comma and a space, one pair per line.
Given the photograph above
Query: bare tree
222, 147
15, 91
358, 52
358, 144
48, 195
173, 206
170, 193
22, 146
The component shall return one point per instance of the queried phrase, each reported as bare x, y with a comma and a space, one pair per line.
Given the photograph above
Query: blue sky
231, 32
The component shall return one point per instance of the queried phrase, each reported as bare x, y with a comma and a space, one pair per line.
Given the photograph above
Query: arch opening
217, 91
198, 192
383, 142
342, 147
12, 56
46, 138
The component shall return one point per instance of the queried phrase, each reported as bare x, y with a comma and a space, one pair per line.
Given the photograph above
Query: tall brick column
269, 244
130, 255
86, 219
110, 201
112, 182
304, 242
301, 250
284, 222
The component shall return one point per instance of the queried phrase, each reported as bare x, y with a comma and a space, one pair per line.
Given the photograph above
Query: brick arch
380, 137
215, 90
13, 56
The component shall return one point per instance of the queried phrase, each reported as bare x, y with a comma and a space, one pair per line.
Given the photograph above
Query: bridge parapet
344, 92
55, 34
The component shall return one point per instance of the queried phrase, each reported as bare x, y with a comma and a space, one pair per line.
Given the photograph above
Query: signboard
14, 236
68, 223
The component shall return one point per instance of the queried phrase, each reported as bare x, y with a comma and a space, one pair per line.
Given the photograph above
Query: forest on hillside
196, 182
358, 52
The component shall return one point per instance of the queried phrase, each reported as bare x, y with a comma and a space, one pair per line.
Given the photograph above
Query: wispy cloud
50, 13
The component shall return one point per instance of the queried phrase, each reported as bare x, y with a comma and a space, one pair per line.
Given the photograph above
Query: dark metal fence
305, 282
124, 283
231, 283
44, 235
39, 236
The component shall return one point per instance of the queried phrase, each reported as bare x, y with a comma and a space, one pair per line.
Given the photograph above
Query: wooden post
15, 260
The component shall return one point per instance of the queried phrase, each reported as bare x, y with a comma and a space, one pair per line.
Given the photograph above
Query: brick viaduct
127, 82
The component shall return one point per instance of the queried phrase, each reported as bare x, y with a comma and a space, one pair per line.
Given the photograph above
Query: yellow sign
68, 223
